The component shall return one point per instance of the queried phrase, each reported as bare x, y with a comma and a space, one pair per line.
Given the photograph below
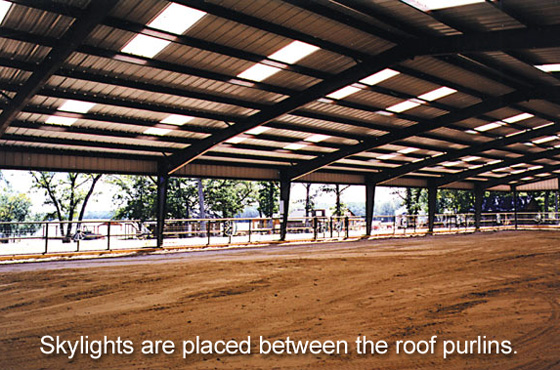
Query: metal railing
42, 237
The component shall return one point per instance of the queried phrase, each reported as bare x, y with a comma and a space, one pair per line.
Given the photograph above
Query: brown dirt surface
502, 285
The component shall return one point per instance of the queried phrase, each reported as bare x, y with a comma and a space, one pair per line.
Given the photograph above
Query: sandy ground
502, 285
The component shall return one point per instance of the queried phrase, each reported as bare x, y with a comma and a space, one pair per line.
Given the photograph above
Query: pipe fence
43, 237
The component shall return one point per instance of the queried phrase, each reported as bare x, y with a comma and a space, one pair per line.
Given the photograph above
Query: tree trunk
86, 199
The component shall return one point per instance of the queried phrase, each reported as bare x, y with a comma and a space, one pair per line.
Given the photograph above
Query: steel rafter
505, 163
74, 36
420, 127
507, 179
456, 154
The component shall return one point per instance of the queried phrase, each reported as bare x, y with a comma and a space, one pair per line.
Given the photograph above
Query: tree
456, 201
226, 198
182, 197
68, 193
15, 208
267, 198
136, 197
339, 208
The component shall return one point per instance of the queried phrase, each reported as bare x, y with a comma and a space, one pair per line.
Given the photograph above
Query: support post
370, 204
432, 199
46, 238
514, 190
478, 196
162, 185
556, 206
284, 206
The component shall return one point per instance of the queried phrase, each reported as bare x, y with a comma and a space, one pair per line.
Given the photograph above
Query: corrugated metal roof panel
446, 71
307, 22
38, 22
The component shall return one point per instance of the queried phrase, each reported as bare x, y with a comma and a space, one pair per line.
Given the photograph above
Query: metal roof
317, 118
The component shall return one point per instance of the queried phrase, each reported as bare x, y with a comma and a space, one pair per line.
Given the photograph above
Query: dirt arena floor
502, 285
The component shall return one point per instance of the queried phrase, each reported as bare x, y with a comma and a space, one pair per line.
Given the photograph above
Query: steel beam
507, 179
505, 163
419, 128
76, 34
315, 92
455, 154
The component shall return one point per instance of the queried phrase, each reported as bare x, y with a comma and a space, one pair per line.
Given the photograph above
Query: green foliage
182, 198
267, 198
136, 198
456, 201
15, 208
414, 200
227, 198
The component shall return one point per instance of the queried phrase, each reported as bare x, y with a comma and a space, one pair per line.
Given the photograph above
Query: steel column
514, 190
432, 203
285, 186
478, 197
370, 203
162, 186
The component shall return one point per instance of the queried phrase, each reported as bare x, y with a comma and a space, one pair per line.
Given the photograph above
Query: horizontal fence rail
42, 237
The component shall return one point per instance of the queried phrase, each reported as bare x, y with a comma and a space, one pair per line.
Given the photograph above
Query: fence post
347, 226
331, 226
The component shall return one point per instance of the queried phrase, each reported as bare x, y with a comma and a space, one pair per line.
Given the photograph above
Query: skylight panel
293, 52
176, 18
379, 76
471, 158
451, 164
387, 156
494, 162
258, 72
76, 106
545, 139
408, 150
145, 46
427, 5
489, 126
294, 146
344, 92
4, 7
235, 140
58, 120
519, 117
549, 67
257, 130
518, 172
176, 119
157, 131
437, 93
405, 105
317, 138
